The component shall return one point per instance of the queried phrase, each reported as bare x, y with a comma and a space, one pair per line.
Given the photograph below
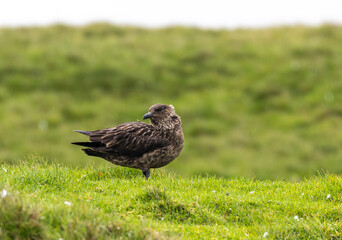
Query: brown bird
137, 144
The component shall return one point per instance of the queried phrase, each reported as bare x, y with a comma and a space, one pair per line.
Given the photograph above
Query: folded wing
129, 139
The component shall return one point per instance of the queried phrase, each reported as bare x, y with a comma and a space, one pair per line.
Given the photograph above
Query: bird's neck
167, 124
172, 130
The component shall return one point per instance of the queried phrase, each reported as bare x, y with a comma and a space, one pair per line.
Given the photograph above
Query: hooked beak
147, 115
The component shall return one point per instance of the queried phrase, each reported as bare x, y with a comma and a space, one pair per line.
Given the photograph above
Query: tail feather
89, 144
91, 152
84, 132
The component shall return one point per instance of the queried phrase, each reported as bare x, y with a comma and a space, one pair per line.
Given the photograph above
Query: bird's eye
159, 109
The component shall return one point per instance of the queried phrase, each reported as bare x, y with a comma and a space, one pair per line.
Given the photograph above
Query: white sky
159, 13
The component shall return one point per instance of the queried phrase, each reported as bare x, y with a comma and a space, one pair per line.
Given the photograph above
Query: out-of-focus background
258, 84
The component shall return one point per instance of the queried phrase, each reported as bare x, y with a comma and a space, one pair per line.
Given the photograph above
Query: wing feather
130, 139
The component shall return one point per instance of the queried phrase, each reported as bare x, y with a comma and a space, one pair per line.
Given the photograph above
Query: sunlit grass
51, 201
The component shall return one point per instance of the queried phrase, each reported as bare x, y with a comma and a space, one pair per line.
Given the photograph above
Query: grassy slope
108, 202
262, 103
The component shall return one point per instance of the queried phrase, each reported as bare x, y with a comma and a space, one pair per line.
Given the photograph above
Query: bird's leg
146, 173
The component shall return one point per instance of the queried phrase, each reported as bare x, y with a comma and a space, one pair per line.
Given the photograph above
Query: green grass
254, 103
259, 108
118, 202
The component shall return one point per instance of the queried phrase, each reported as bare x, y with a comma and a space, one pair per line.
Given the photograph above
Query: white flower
302, 194
67, 203
328, 196
5, 170
213, 191
252, 193
3, 193
296, 218
265, 235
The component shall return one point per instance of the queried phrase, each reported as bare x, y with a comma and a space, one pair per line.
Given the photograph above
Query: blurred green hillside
263, 103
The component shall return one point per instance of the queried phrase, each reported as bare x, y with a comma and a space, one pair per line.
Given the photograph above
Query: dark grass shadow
156, 204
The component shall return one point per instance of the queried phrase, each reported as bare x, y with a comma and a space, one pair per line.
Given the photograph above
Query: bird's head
159, 113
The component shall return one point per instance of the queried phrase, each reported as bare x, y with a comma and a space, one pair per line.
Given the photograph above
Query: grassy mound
51, 201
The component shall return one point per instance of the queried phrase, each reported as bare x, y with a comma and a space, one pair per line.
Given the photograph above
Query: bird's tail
89, 144
91, 152
84, 132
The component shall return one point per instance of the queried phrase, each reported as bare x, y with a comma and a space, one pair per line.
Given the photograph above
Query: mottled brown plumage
137, 144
